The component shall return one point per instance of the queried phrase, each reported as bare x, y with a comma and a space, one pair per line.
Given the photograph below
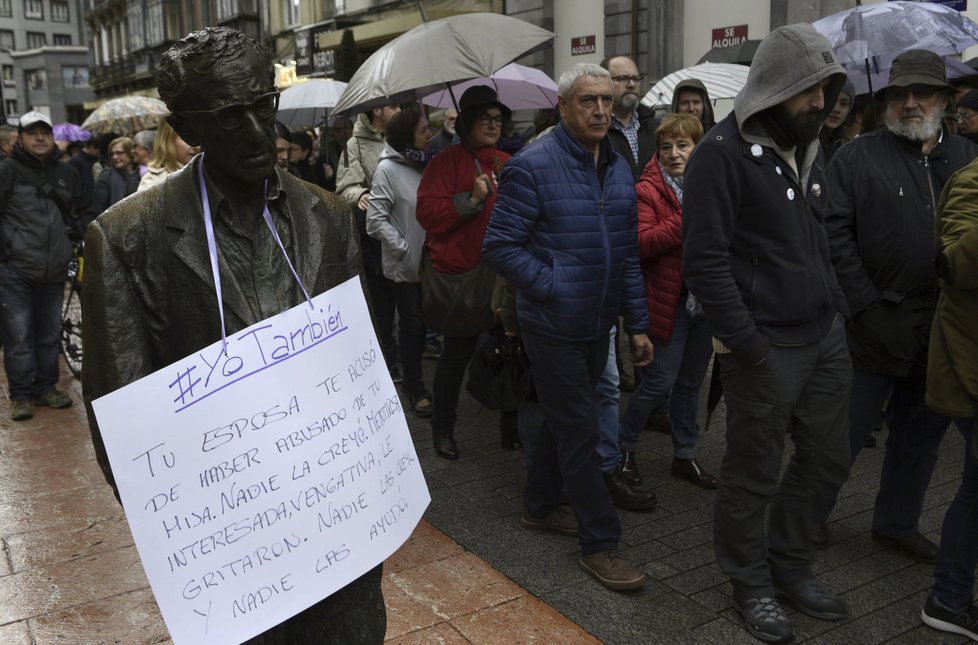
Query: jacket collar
187, 222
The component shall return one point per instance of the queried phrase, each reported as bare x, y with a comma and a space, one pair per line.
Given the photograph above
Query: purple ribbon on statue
212, 246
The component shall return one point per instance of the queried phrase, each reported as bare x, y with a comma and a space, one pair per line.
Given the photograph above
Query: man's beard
791, 131
927, 128
630, 101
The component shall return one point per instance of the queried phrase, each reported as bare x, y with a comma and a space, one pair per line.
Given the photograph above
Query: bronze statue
149, 291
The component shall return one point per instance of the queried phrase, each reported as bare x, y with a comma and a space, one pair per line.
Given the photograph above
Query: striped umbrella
722, 81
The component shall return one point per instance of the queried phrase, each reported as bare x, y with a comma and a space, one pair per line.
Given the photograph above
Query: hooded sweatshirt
693, 84
755, 253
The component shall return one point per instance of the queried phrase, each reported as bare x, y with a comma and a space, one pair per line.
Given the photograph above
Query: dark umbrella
740, 54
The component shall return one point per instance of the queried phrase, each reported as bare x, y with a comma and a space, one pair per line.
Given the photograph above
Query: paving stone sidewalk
476, 501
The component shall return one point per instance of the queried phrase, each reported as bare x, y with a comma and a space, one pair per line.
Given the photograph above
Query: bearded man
880, 217
632, 124
759, 263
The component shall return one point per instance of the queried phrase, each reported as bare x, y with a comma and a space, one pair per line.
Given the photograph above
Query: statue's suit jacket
149, 300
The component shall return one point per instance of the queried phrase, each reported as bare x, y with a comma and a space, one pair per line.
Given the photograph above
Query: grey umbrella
426, 58
869, 37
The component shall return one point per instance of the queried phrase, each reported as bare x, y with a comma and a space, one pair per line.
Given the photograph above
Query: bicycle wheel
71, 338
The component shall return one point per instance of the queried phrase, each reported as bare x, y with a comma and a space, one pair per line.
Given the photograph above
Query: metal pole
424, 14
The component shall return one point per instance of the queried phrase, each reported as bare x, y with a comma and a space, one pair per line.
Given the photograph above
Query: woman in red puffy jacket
678, 329
455, 197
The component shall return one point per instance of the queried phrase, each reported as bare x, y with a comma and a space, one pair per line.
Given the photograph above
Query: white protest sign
260, 481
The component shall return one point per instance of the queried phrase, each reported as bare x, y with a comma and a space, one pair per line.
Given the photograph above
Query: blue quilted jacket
569, 245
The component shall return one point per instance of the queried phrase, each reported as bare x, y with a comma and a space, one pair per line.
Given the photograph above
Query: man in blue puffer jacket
564, 232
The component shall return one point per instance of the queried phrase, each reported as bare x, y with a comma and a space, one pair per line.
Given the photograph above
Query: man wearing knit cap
880, 218
967, 116
758, 261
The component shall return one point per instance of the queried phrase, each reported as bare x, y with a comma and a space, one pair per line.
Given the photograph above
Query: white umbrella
518, 87
426, 58
722, 81
305, 102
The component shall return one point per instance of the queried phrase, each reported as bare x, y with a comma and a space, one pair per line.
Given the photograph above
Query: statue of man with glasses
150, 297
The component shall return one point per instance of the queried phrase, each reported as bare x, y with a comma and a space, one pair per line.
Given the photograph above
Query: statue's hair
199, 52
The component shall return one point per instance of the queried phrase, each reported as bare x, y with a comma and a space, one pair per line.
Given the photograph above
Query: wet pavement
469, 574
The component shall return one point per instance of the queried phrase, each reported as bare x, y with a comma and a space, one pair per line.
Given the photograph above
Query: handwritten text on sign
258, 481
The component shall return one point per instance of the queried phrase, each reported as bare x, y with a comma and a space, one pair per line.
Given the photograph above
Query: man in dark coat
692, 97
884, 188
758, 260
632, 131
150, 297
38, 194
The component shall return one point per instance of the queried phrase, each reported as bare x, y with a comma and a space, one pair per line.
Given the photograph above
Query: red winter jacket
455, 242
660, 247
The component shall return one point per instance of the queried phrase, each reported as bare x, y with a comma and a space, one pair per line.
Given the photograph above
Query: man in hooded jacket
692, 97
757, 257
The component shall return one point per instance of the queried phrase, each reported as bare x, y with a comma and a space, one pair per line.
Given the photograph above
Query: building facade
44, 59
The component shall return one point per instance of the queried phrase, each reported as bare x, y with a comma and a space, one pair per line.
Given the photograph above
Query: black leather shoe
691, 470
626, 496
629, 468
446, 448
914, 545
821, 536
810, 598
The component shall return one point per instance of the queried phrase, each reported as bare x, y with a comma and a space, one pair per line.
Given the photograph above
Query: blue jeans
954, 576
676, 373
31, 323
606, 396
411, 335
915, 434
561, 452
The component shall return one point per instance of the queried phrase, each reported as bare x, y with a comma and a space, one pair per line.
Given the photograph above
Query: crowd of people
826, 266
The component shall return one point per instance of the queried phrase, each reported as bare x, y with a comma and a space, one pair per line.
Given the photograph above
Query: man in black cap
38, 194
884, 188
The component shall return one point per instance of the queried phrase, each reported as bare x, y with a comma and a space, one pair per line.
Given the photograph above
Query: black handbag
499, 372
456, 304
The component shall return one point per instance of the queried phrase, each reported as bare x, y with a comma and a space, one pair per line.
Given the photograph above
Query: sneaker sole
615, 585
945, 626
548, 528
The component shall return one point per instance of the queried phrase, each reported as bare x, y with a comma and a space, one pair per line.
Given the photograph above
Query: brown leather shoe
612, 571
691, 470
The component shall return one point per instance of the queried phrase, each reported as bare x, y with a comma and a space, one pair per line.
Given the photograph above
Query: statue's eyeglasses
230, 117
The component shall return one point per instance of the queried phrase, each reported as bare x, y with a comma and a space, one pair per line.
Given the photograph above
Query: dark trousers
30, 320
915, 434
954, 576
382, 298
803, 387
456, 352
561, 452
355, 614
411, 335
